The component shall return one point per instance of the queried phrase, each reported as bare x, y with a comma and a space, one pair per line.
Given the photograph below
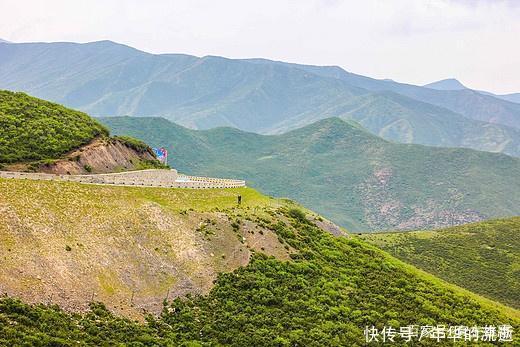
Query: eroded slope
130, 248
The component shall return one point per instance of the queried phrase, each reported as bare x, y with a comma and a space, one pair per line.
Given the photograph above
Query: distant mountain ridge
446, 84
514, 97
453, 84
257, 95
354, 178
467, 102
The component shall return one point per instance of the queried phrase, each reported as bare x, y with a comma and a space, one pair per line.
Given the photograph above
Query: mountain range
256, 95
102, 264
356, 179
453, 84
469, 103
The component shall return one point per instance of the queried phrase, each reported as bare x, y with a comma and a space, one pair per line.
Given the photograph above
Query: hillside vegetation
109, 79
482, 257
37, 135
128, 247
34, 129
317, 290
352, 177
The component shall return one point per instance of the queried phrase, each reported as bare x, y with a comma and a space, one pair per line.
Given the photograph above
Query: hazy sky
414, 41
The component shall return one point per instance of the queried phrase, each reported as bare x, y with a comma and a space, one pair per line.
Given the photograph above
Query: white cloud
407, 40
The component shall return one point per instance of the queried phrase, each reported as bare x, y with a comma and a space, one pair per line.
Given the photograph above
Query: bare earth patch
69, 244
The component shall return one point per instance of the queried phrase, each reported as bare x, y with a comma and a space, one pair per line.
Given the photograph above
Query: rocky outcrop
102, 155
71, 244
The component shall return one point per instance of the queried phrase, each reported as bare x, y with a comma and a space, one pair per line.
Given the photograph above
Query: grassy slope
358, 180
326, 294
105, 78
34, 129
483, 257
74, 241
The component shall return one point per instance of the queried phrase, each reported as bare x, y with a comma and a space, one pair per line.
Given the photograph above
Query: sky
411, 41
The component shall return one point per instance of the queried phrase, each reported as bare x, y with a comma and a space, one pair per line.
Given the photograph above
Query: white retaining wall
184, 181
142, 178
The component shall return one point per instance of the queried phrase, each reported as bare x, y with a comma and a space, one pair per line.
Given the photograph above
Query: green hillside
324, 294
105, 78
34, 129
400, 119
354, 178
482, 257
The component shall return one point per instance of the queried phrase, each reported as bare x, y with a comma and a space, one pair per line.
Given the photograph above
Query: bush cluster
325, 296
35, 129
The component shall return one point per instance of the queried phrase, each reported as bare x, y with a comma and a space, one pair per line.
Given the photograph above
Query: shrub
35, 129
134, 143
298, 214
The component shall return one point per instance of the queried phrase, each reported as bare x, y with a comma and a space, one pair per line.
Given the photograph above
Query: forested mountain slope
356, 179
32, 128
38, 135
129, 244
108, 79
482, 257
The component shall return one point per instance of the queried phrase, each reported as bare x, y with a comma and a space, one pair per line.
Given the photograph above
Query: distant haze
409, 41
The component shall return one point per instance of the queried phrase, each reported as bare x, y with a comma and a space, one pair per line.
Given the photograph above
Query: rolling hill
32, 129
482, 257
108, 79
129, 248
38, 135
354, 178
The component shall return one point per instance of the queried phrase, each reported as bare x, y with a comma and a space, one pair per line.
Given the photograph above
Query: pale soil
102, 155
131, 248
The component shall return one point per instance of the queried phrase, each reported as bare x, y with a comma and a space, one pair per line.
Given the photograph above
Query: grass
203, 199
346, 174
35, 129
482, 257
113, 241
330, 290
